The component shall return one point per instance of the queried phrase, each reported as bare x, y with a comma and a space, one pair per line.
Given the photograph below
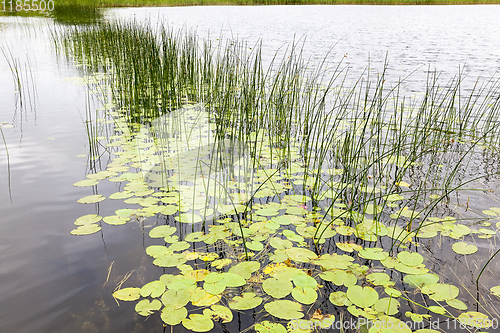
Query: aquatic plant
294, 184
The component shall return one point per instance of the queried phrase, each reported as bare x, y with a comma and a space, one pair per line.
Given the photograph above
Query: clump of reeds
295, 122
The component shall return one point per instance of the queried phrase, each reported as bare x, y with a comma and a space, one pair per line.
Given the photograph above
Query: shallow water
55, 282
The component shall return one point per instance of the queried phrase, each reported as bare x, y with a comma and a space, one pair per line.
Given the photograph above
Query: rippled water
54, 282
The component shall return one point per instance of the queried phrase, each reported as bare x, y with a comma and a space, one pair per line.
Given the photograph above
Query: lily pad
305, 295
88, 219
339, 298
172, 316
284, 309
115, 220
304, 280
362, 296
198, 323
225, 314
86, 229
153, 289
176, 298
269, 327
127, 294
246, 301
162, 231
146, 308
464, 248
277, 288
440, 291
410, 259
387, 305
91, 199
475, 319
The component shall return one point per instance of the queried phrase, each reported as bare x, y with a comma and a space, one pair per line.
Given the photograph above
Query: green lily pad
380, 279
410, 259
246, 301
153, 289
349, 247
232, 280
299, 254
172, 316
457, 304
86, 229
245, 269
179, 246
269, 327
475, 319
127, 294
170, 260
339, 277
277, 288
362, 296
280, 244
254, 246
125, 212
339, 298
115, 220
440, 291
162, 231
188, 218
158, 251
437, 309
305, 295
387, 305
176, 298
495, 291
88, 219
221, 312
198, 323
197, 236
214, 288
373, 253
267, 212
304, 280
91, 199
86, 182
464, 248
284, 309
146, 308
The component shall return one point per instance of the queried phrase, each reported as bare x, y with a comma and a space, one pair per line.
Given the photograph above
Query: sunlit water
52, 281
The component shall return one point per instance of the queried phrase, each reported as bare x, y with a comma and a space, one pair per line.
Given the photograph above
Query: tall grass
354, 145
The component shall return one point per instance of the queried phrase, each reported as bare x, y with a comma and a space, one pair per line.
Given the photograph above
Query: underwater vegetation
278, 190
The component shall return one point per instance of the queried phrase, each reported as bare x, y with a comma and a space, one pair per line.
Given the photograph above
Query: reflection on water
52, 281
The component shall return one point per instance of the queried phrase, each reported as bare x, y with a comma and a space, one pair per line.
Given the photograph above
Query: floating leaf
277, 288
146, 308
127, 294
373, 253
457, 304
380, 279
232, 280
88, 219
495, 291
170, 260
280, 244
198, 323
410, 259
339, 298
153, 289
362, 296
305, 295
267, 212
254, 246
475, 319
300, 254
247, 301
172, 316
349, 247
176, 298
162, 231
418, 281
91, 199
86, 229
269, 327
207, 299
188, 218
339, 277
440, 291
223, 313
86, 182
245, 269
115, 220
464, 248
304, 281
284, 309
387, 305
214, 288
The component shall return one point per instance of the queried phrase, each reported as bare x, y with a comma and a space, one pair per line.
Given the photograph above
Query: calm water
52, 281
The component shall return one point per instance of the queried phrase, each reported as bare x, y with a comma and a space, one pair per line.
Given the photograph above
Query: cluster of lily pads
292, 187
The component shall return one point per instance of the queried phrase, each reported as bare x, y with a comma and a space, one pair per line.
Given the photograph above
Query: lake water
52, 281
